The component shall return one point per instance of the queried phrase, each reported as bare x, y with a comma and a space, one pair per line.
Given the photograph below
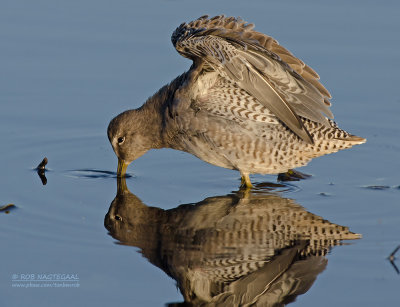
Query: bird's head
127, 135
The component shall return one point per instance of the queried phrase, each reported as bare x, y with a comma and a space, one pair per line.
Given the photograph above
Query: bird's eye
120, 140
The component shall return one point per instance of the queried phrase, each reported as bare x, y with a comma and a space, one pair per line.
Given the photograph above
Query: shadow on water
81, 173
94, 173
237, 249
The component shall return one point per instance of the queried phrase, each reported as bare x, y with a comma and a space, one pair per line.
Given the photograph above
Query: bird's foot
292, 175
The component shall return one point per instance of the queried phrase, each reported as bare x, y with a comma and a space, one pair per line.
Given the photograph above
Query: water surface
68, 68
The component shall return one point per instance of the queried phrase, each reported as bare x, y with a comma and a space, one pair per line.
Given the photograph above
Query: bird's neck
152, 122
155, 111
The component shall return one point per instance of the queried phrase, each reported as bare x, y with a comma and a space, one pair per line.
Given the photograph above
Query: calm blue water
68, 67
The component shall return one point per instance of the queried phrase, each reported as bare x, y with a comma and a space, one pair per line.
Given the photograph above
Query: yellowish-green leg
245, 182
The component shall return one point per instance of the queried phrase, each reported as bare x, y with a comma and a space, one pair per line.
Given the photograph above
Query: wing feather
259, 65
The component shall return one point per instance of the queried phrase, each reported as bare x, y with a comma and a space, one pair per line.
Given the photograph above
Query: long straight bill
122, 166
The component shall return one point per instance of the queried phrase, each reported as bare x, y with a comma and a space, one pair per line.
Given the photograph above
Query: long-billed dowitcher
246, 103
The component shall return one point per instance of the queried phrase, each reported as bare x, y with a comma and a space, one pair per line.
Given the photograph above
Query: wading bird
246, 103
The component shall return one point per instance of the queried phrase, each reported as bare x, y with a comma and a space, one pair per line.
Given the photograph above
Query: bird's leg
245, 181
292, 175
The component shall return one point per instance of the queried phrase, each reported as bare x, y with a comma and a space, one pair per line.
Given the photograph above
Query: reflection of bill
237, 249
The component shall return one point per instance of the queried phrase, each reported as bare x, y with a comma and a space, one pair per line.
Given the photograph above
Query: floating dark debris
324, 194
392, 258
377, 187
7, 208
42, 165
392, 255
41, 169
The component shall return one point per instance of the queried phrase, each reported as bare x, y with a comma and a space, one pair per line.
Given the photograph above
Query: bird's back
247, 103
232, 129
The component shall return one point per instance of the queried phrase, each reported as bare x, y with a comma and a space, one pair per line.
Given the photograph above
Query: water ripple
94, 173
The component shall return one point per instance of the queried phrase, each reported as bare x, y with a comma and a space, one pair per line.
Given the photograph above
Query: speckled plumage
246, 103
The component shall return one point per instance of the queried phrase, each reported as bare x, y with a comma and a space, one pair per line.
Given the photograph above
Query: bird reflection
244, 248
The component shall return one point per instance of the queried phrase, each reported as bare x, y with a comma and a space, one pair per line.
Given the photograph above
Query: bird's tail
329, 139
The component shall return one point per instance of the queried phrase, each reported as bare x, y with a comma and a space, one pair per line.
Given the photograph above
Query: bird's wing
257, 64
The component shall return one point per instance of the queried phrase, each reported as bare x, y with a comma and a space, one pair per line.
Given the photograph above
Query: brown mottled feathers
246, 103
259, 65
